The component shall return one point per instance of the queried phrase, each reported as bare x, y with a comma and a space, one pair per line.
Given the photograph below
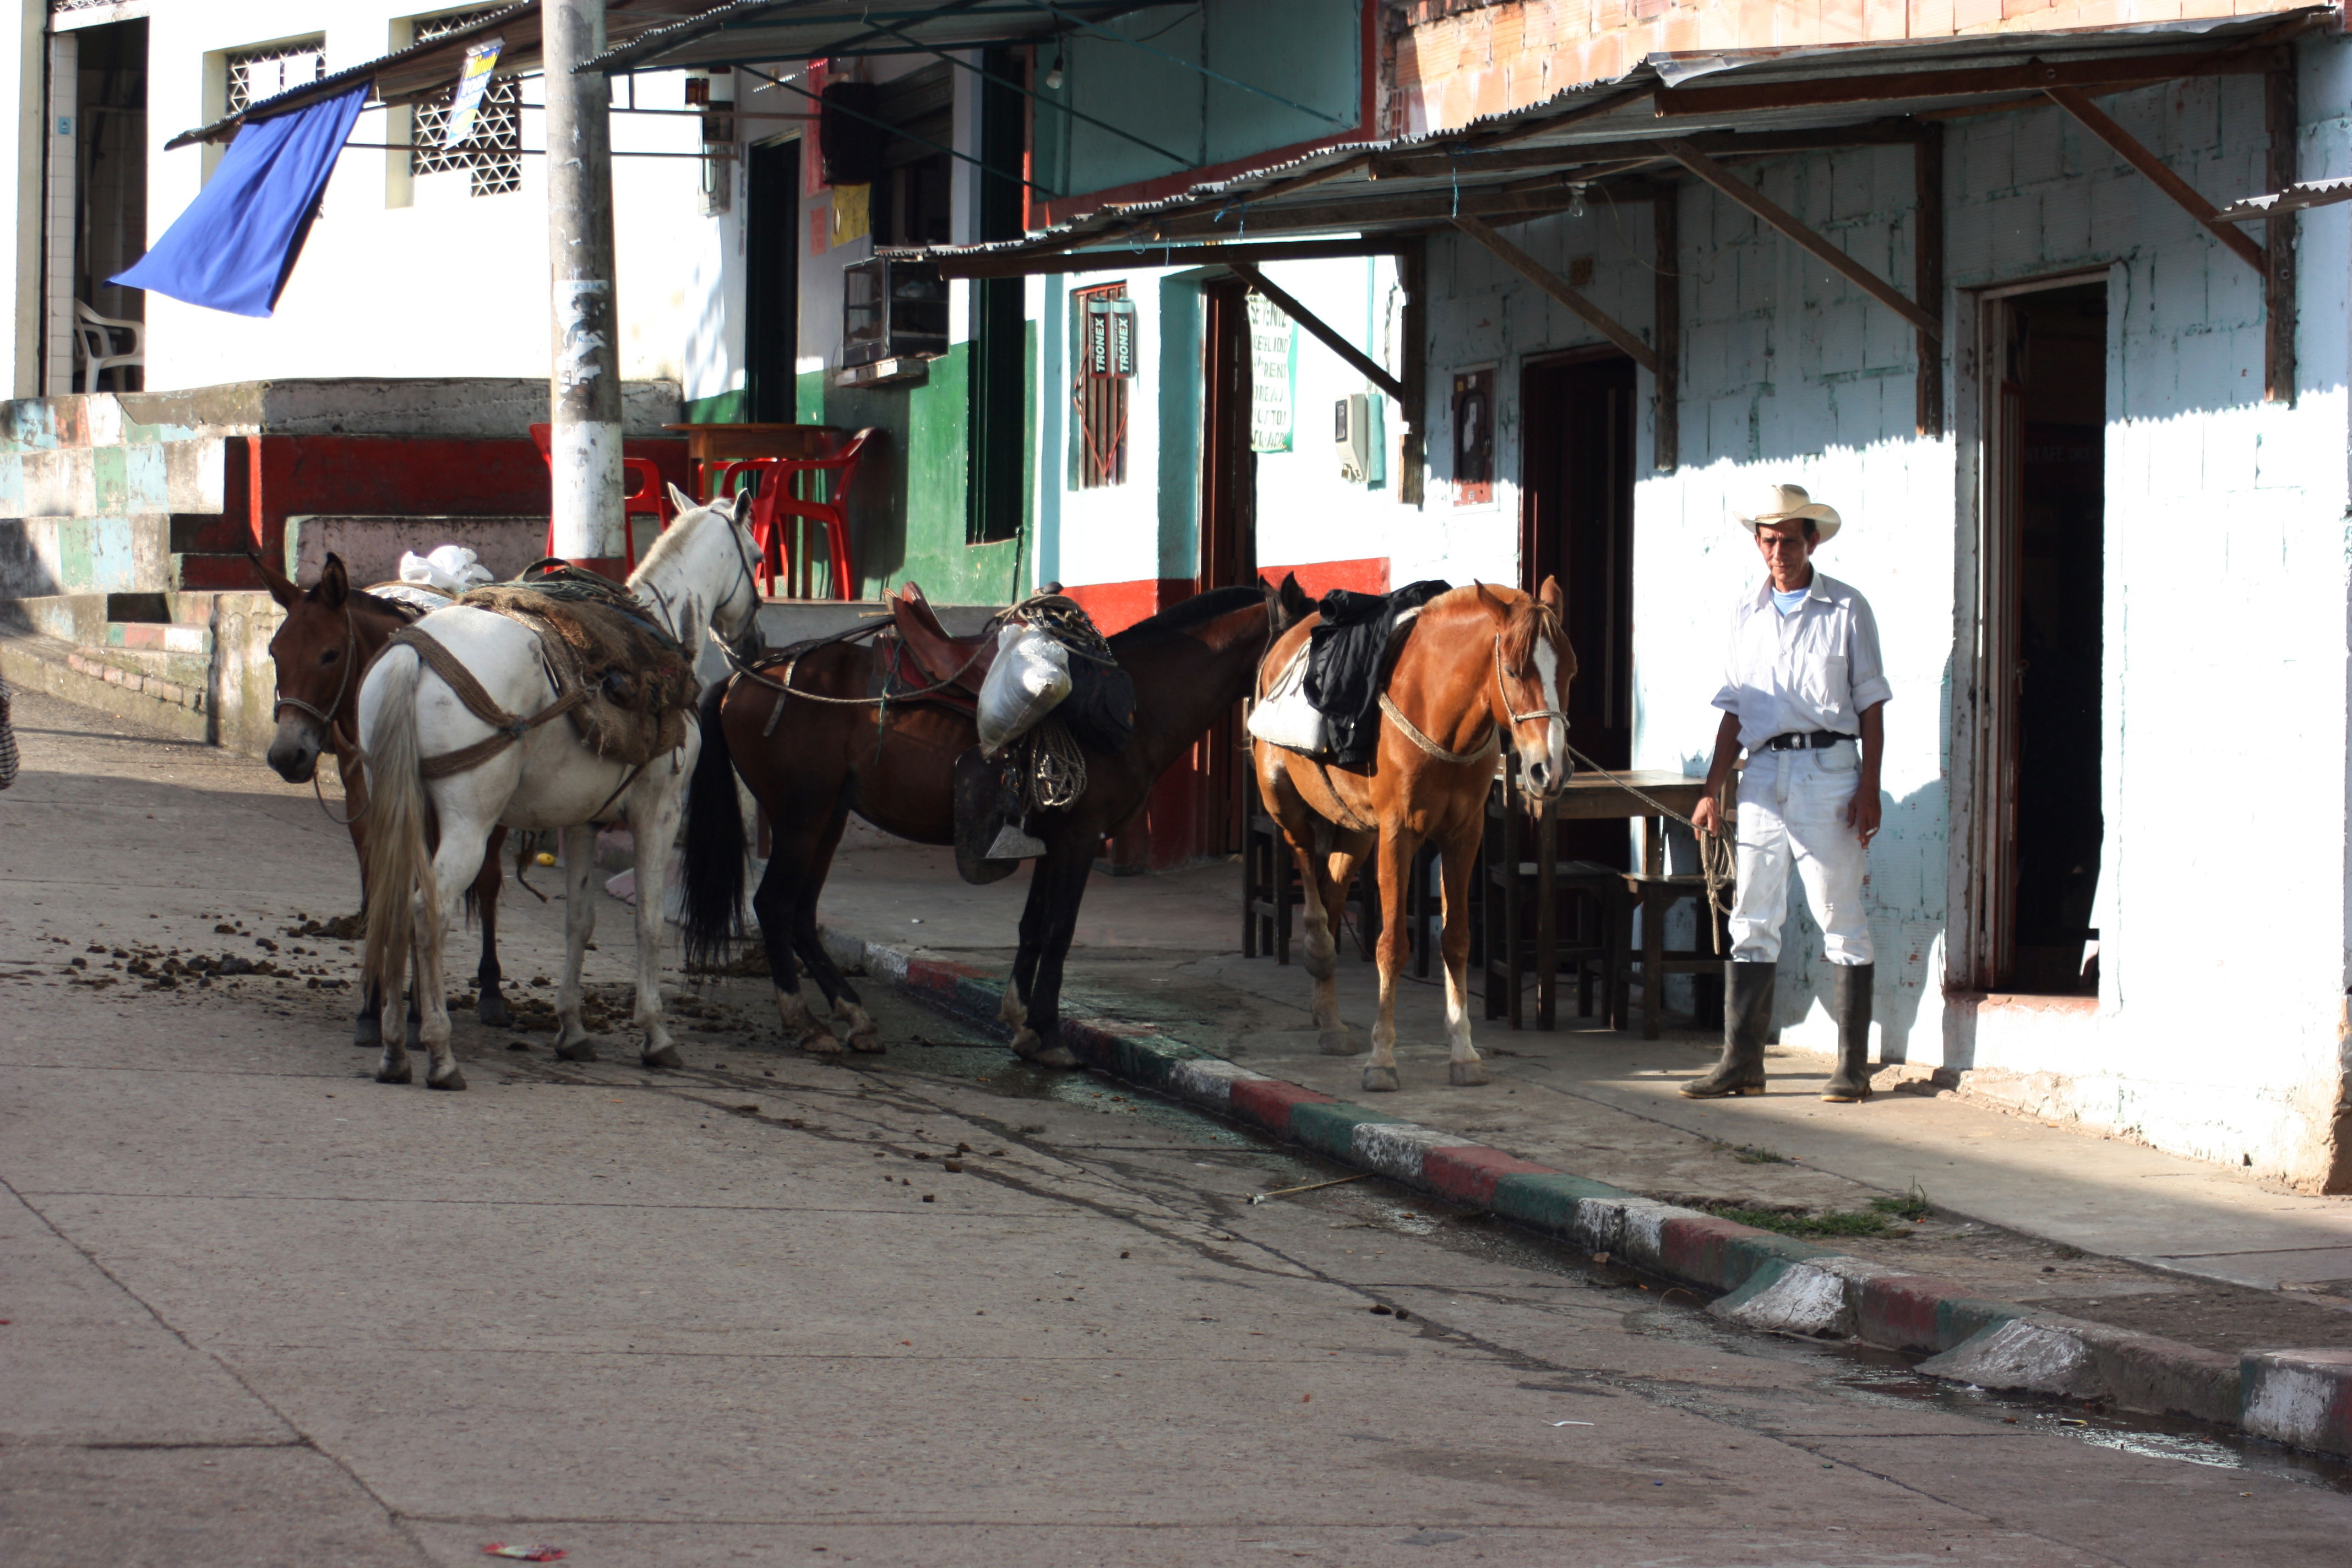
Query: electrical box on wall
1356, 429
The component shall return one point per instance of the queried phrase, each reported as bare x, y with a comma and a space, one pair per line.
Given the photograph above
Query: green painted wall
907, 514
727, 408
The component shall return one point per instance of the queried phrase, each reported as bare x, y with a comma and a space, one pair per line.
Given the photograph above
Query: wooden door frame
1980, 920
1529, 550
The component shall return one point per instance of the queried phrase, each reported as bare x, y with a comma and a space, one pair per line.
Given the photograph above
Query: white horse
698, 577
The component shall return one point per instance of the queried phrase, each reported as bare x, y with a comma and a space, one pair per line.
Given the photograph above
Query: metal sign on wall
1110, 336
1274, 367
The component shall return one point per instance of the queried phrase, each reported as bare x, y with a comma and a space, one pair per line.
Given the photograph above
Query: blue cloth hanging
235, 245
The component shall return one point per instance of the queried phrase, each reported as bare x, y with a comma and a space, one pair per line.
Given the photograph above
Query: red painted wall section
405, 476
1115, 606
1369, 575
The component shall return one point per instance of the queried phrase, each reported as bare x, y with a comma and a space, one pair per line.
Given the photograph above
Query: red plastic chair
647, 496
784, 483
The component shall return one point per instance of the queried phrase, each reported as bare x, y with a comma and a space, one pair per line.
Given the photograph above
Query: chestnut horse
1476, 665
811, 760
330, 635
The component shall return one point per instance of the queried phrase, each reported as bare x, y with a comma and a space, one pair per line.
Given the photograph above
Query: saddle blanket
596, 635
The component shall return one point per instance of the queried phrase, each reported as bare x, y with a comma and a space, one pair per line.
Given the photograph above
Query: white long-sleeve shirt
1817, 668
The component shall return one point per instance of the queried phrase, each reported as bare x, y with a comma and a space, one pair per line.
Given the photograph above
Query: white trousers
1792, 810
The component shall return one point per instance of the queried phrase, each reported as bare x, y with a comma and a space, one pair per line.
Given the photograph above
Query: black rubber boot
1851, 1003
1747, 1012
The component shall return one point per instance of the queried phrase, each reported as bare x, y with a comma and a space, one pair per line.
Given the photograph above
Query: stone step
190, 667
40, 663
159, 637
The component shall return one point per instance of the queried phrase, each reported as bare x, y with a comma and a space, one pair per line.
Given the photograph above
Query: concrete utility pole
584, 388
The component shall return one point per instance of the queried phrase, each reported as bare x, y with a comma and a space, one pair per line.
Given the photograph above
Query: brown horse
1476, 664
811, 760
330, 635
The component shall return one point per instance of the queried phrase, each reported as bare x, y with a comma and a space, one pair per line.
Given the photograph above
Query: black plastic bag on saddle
1347, 662
1100, 708
984, 808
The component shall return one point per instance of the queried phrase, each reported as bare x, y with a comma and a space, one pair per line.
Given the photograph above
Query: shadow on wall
23, 574
1906, 925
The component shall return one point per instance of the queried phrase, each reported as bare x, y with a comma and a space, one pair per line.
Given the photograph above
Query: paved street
930, 1309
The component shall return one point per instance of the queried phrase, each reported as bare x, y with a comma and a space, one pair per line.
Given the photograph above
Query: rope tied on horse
510, 727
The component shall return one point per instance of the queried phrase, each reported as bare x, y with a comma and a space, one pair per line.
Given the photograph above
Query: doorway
1228, 543
106, 97
1576, 523
2040, 825
771, 286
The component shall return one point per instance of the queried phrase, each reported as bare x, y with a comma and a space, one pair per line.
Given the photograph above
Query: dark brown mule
1477, 666
836, 751
329, 636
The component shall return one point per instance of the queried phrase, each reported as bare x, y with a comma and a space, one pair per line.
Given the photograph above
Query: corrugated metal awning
1607, 140
755, 32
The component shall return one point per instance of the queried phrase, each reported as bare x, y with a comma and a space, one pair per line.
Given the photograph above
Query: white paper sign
1274, 364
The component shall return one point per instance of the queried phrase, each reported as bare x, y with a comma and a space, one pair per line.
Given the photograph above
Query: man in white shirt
1804, 692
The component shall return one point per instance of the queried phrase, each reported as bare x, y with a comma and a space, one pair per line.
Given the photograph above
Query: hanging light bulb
1576, 199
1054, 77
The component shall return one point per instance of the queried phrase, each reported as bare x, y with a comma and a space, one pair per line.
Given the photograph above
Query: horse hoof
1031, 1047
493, 1010
578, 1051
1465, 1074
666, 1057
455, 1081
823, 1045
867, 1042
1381, 1081
1338, 1043
392, 1075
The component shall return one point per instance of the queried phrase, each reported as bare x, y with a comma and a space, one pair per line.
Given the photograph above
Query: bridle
326, 715
1502, 690
750, 639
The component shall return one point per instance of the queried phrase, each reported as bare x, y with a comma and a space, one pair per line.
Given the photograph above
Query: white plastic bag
1031, 675
452, 569
1284, 717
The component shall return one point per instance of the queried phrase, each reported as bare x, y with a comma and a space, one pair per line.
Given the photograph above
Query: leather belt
1806, 741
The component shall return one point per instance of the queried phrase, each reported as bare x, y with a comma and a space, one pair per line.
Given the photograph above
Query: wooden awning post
1928, 271
1666, 315
2278, 243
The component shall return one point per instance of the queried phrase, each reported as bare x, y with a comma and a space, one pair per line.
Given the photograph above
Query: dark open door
1228, 540
1576, 524
772, 287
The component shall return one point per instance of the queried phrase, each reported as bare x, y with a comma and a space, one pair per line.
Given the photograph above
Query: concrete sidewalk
2026, 1210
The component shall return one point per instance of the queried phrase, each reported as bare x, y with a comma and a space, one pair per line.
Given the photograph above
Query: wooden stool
1653, 896
1271, 888
1513, 877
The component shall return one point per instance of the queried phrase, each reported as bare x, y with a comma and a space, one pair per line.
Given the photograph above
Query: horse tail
714, 843
399, 864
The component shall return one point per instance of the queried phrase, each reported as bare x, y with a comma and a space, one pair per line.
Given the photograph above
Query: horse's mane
1525, 618
1198, 610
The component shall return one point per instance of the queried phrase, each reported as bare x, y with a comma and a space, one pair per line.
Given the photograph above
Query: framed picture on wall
1473, 436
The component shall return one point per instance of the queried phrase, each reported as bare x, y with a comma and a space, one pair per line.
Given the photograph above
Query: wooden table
727, 443
1649, 891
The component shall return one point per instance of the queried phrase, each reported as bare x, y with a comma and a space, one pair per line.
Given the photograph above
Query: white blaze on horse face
1554, 744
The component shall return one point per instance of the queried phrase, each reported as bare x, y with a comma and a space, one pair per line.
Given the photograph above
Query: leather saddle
961, 662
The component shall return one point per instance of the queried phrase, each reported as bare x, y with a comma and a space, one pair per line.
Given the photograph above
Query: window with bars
1104, 363
253, 75
493, 153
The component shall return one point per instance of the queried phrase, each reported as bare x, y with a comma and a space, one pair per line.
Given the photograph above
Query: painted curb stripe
2299, 1398
1469, 1170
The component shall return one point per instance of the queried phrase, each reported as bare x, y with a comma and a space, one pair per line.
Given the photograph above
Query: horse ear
1551, 598
1492, 600
1294, 601
281, 588
334, 584
680, 499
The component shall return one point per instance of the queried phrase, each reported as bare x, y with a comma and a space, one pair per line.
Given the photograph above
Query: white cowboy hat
1793, 503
